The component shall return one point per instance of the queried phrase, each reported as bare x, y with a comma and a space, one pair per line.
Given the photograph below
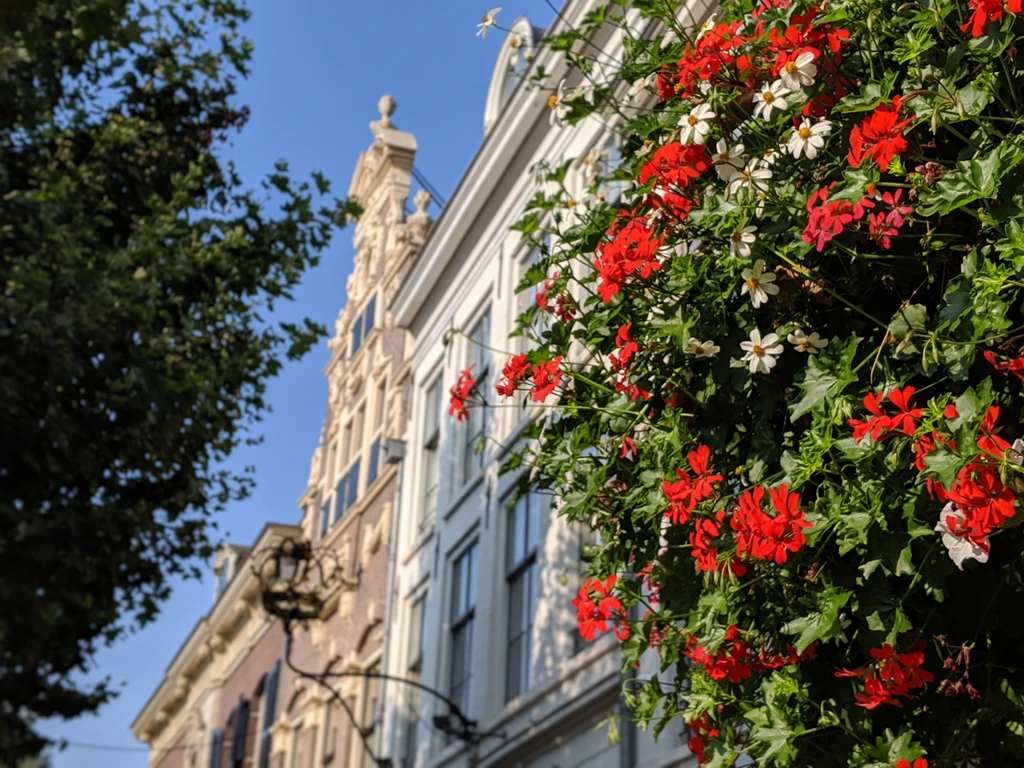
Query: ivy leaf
943, 465
823, 624
870, 96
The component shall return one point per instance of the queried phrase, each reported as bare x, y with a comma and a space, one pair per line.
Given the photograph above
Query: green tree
135, 345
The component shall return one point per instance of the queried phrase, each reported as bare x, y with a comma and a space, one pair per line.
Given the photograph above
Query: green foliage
908, 267
134, 344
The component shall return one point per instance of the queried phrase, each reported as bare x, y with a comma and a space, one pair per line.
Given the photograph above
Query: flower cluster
460, 394
890, 677
773, 394
595, 608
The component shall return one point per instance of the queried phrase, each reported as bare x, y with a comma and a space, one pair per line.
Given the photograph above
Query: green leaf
821, 625
974, 180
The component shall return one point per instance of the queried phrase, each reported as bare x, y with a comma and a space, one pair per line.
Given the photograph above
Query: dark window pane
357, 334
325, 517
341, 498
369, 315
471, 577
353, 484
534, 502
373, 462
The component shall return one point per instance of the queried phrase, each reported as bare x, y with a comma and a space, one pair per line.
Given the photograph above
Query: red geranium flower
514, 371
879, 136
546, 377
460, 393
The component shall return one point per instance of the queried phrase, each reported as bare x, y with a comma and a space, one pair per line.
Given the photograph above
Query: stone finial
387, 107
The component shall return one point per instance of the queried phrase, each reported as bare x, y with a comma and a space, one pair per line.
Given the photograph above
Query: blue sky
320, 67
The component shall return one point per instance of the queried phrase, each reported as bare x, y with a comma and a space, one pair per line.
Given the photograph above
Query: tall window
347, 490
297, 759
414, 667
331, 713
377, 430
269, 711
368, 715
433, 400
524, 521
362, 326
611, 189
464, 572
473, 450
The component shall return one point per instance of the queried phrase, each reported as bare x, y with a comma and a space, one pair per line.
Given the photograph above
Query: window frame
362, 326
521, 567
462, 614
471, 461
432, 405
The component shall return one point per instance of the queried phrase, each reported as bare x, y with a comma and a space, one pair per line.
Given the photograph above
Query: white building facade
481, 589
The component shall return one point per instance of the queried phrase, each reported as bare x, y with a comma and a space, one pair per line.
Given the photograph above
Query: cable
435, 196
381, 761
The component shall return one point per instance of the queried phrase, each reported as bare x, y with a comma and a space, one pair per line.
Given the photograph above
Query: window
331, 714
414, 665
377, 427
521, 575
325, 516
362, 326
367, 717
297, 760
269, 704
223, 577
216, 748
415, 651
464, 571
346, 492
480, 356
611, 189
517, 66
433, 403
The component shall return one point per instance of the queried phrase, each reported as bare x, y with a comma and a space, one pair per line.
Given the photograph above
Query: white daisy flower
808, 138
960, 547
806, 343
760, 352
728, 162
799, 72
560, 103
769, 157
707, 26
696, 126
758, 284
641, 85
741, 240
488, 21
753, 177
770, 100
687, 248
699, 348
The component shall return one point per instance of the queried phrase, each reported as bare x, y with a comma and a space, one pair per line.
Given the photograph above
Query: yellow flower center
736, 237
553, 100
571, 202
768, 97
758, 350
678, 87
791, 67
804, 133
752, 283
692, 120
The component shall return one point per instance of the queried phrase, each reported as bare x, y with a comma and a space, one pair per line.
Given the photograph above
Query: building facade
232, 698
447, 580
483, 581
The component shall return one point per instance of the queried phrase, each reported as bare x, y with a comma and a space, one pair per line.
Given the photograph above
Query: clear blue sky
320, 67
